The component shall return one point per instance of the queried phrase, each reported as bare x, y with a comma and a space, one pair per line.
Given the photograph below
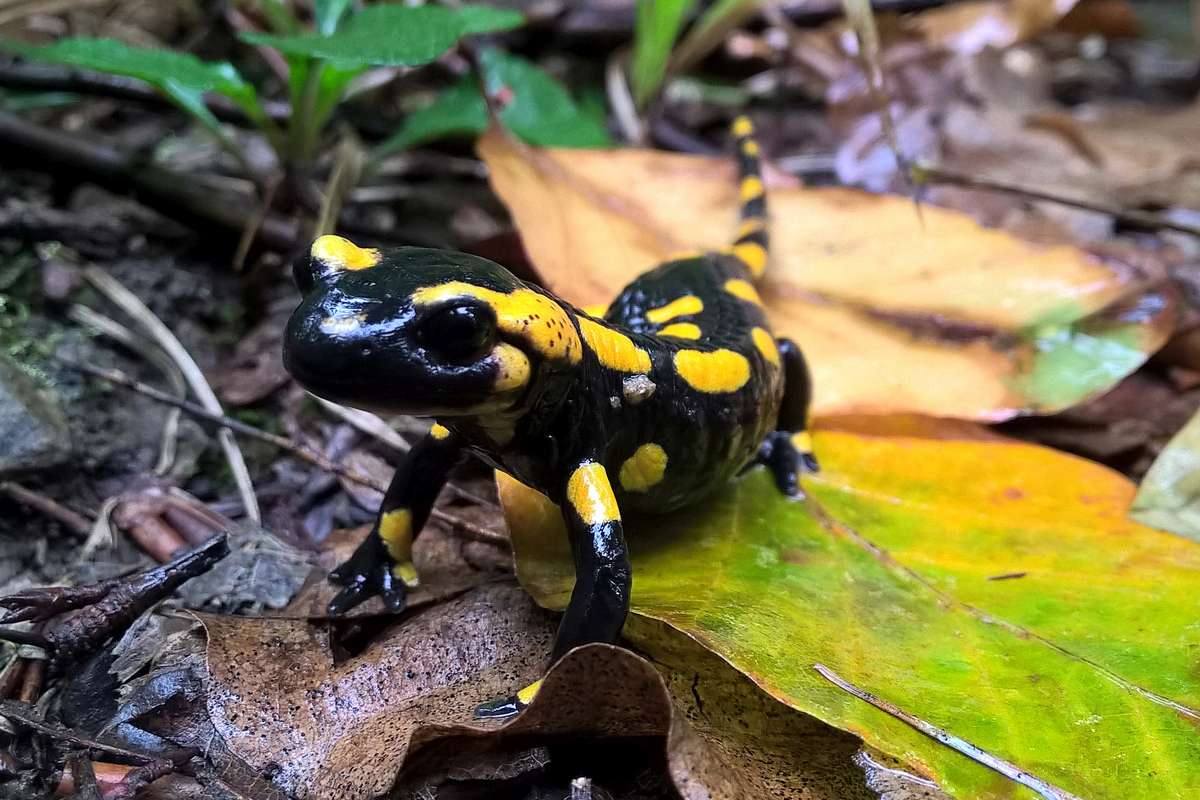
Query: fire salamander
647, 406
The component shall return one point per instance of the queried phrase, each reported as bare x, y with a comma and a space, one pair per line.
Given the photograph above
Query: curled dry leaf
896, 312
348, 729
323, 729
993, 589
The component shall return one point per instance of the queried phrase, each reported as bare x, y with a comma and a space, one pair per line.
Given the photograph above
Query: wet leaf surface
879, 298
993, 589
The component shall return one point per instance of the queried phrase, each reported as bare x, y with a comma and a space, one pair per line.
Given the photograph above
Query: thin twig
24, 637
27, 716
132, 305
975, 753
302, 452
189, 199
47, 506
1142, 219
366, 422
377, 428
53, 78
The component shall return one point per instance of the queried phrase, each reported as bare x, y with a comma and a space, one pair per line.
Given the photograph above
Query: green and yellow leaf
992, 589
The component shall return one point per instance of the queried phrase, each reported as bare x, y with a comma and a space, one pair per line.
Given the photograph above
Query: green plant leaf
657, 26
535, 107
991, 588
181, 76
475, 19
1169, 498
327, 14
459, 110
393, 35
541, 110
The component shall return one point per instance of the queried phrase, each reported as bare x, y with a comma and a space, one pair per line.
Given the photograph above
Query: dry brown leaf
320, 729
973, 26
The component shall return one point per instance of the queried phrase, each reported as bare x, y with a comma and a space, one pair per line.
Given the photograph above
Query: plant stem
303, 108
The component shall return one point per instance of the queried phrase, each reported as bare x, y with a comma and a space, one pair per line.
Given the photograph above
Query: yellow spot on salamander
742, 126
644, 469
613, 349
743, 290
750, 147
765, 343
522, 313
339, 253
440, 432
751, 226
752, 187
681, 330
753, 255
512, 367
591, 495
596, 310
713, 372
802, 441
407, 573
526, 695
688, 304
395, 528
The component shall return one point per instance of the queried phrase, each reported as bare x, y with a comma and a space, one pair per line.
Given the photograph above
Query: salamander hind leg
600, 600
787, 451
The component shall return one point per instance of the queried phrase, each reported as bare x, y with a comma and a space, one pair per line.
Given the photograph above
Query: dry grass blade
134, 307
366, 422
862, 22
347, 169
147, 350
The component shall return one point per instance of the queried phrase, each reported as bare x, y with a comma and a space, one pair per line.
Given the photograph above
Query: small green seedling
324, 59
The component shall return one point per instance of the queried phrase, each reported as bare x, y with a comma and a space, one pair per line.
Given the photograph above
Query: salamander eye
459, 333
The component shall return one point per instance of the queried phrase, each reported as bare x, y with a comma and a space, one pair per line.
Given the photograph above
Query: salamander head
420, 331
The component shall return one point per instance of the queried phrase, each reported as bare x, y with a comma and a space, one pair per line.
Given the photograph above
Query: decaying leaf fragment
895, 312
1169, 498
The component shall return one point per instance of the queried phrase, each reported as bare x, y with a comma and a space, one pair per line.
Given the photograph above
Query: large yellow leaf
896, 311
993, 589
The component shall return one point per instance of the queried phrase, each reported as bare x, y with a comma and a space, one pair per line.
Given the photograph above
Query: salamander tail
751, 244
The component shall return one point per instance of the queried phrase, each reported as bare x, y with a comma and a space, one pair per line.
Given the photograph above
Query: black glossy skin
363, 337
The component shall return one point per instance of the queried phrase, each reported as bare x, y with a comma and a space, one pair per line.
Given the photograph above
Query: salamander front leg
787, 451
600, 601
382, 565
